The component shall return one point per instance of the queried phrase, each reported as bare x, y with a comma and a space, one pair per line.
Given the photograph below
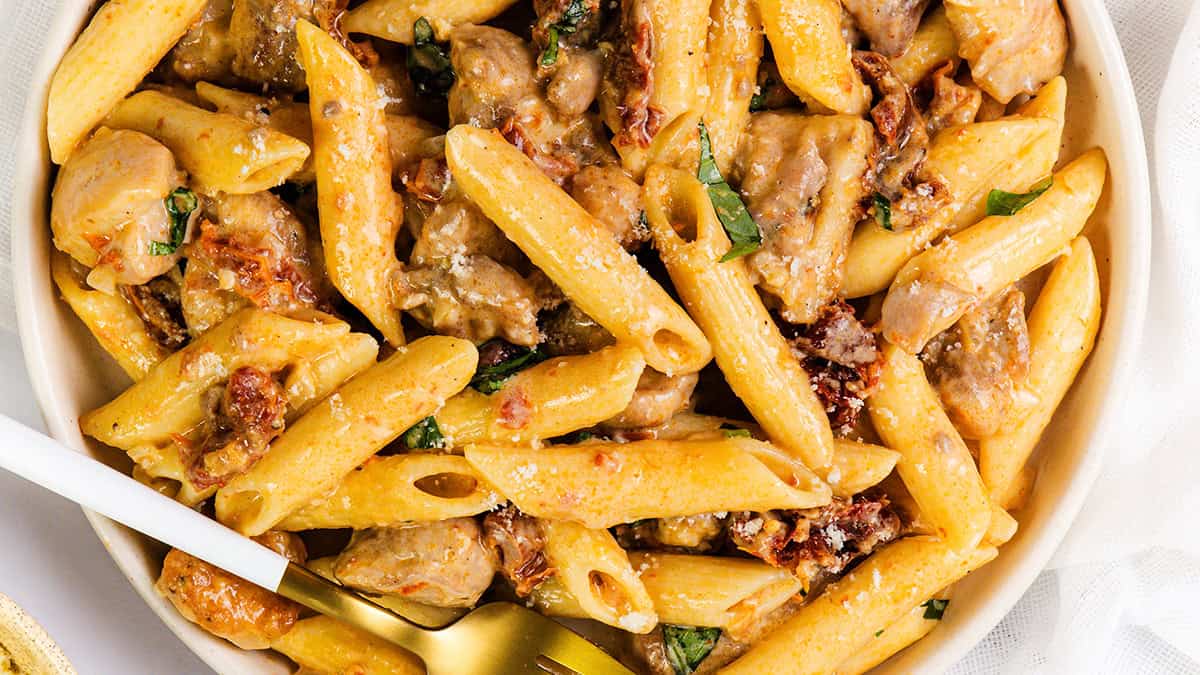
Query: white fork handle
93, 485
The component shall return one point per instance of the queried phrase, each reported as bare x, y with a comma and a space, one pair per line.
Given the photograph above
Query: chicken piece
657, 398
803, 178
255, 253
263, 36
497, 88
569, 331
227, 606
108, 208
244, 416
458, 228
1012, 46
615, 199
575, 83
819, 541
442, 563
520, 546
978, 364
157, 302
950, 103
204, 53
890, 24
842, 360
696, 533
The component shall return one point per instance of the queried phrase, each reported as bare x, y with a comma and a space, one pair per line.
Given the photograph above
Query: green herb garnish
735, 432
934, 608
883, 211
428, 65
687, 647
568, 23
489, 379
1001, 203
424, 435
741, 228
879, 632
180, 204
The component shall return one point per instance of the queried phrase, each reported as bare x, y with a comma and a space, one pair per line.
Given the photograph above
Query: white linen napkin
1122, 594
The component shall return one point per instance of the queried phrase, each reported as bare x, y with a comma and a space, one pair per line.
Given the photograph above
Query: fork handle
93, 485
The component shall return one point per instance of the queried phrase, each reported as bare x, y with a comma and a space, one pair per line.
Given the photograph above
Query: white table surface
52, 564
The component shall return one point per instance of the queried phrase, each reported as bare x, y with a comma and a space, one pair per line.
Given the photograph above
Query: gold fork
499, 638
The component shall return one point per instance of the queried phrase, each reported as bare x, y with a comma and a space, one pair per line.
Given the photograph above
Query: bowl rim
1093, 18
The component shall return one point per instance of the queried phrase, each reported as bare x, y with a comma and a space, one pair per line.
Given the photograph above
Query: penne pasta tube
393, 19
858, 466
693, 590
399, 489
596, 572
812, 57
110, 318
973, 158
752, 354
574, 250
550, 399
605, 484
360, 214
326, 645
936, 287
1062, 332
221, 153
935, 464
1002, 528
735, 46
104, 65
834, 626
314, 454
932, 45
889, 641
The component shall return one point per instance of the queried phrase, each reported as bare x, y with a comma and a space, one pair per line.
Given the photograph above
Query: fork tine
582, 656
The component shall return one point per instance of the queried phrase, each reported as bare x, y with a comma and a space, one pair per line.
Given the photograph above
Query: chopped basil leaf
424, 435
732, 431
568, 23
428, 64
883, 211
879, 632
687, 647
489, 379
180, 204
550, 56
934, 608
1001, 203
758, 101
741, 228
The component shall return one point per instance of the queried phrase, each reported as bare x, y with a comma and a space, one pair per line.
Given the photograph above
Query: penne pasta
221, 153
1062, 332
735, 46
399, 489
598, 575
326, 645
834, 626
936, 287
574, 250
359, 213
1002, 528
935, 464
693, 590
103, 65
858, 466
755, 359
973, 159
354, 423
891, 640
812, 57
393, 19
550, 399
932, 45
111, 319
605, 484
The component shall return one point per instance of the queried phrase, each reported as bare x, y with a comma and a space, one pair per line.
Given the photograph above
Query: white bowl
71, 374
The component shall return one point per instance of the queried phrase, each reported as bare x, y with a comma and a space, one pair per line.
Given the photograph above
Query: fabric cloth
1122, 594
